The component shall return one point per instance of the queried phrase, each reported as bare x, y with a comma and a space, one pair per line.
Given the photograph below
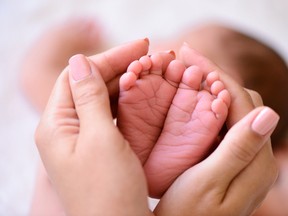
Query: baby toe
146, 63
211, 78
127, 80
192, 78
219, 108
224, 95
174, 72
217, 87
135, 67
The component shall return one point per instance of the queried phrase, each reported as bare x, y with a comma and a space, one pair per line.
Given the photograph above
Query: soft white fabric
21, 21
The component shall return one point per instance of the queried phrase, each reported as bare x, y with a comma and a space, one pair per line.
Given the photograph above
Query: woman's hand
88, 161
236, 177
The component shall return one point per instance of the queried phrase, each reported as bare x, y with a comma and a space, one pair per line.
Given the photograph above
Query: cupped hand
91, 166
236, 177
88, 161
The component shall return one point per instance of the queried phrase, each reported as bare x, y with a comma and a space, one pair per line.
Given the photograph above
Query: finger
90, 94
256, 186
241, 144
256, 179
61, 96
167, 57
256, 98
116, 60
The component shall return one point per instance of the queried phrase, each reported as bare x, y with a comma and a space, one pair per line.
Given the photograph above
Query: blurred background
123, 20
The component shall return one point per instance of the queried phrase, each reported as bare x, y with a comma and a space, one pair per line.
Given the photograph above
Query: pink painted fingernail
79, 67
266, 120
172, 52
147, 40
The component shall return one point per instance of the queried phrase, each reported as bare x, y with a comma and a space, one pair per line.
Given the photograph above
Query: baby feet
170, 117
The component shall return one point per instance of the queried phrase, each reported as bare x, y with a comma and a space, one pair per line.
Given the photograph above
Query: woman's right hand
236, 177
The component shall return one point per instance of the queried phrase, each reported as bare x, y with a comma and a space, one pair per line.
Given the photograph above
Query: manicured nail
171, 52
147, 40
79, 67
266, 120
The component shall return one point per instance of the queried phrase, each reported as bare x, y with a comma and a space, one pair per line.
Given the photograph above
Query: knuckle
39, 135
44, 132
255, 96
244, 152
88, 95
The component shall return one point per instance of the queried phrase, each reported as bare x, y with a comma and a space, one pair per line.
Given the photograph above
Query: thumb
89, 93
242, 143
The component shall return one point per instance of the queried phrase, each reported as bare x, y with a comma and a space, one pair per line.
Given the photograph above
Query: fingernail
266, 120
147, 40
79, 67
171, 52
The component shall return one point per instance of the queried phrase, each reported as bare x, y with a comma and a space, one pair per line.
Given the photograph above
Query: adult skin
95, 177
112, 63
235, 178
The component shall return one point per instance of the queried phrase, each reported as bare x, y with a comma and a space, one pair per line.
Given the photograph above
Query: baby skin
171, 116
